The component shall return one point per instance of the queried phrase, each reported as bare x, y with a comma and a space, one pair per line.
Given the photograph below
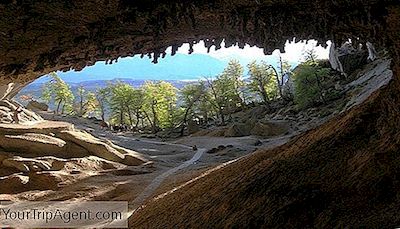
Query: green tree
225, 90
191, 95
58, 91
262, 81
102, 97
232, 79
310, 84
120, 99
86, 103
135, 102
159, 103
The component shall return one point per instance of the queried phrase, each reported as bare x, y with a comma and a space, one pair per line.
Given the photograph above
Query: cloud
294, 52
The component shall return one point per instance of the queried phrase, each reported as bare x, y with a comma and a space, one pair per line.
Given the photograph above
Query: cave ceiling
37, 36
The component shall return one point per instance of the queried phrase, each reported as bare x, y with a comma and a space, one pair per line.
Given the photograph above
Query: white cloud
293, 52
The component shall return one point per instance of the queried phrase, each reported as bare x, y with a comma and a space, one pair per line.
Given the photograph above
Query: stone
37, 106
46, 180
13, 184
130, 157
193, 127
237, 130
270, 128
8, 109
92, 145
346, 58
20, 166
32, 143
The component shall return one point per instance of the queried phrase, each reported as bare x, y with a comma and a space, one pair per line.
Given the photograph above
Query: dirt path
152, 187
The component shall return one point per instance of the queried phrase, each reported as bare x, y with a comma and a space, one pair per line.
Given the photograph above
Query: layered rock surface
58, 139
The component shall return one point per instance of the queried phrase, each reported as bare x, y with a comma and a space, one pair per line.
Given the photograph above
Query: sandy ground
173, 163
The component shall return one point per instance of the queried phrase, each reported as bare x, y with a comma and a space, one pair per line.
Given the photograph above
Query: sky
294, 52
183, 66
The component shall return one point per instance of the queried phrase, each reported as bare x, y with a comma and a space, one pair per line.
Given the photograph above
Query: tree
102, 97
87, 102
120, 95
190, 95
231, 78
225, 90
217, 99
262, 81
58, 91
159, 101
135, 102
284, 71
310, 88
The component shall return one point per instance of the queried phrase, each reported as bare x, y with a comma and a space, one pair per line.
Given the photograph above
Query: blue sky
189, 67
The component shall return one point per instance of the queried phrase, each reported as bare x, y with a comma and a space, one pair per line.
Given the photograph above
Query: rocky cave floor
54, 160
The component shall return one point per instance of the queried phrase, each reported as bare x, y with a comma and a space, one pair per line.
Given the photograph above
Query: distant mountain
178, 67
35, 89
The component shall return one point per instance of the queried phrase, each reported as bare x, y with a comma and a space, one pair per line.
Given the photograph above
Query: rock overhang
38, 37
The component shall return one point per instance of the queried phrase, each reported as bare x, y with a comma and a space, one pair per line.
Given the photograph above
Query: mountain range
178, 67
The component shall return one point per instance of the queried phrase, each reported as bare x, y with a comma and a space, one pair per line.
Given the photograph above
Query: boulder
270, 129
193, 127
20, 166
8, 109
13, 184
130, 157
37, 106
27, 164
93, 145
346, 58
47, 180
237, 130
32, 143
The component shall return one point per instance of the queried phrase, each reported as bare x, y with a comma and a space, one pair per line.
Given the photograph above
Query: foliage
87, 102
262, 81
310, 84
58, 91
191, 96
159, 104
155, 105
102, 97
125, 101
225, 91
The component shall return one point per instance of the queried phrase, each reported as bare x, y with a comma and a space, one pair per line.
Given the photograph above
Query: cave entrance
81, 88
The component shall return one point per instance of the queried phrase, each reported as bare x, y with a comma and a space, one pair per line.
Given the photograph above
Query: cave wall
38, 36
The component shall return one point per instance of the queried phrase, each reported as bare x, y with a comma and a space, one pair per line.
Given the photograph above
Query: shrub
311, 83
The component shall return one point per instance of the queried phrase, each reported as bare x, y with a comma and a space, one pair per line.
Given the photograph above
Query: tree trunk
121, 116
137, 119
155, 118
102, 114
58, 106
221, 113
81, 106
62, 109
130, 116
277, 80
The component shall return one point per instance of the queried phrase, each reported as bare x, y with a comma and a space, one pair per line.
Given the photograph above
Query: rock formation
41, 36
344, 173
12, 112
346, 59
56, 139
